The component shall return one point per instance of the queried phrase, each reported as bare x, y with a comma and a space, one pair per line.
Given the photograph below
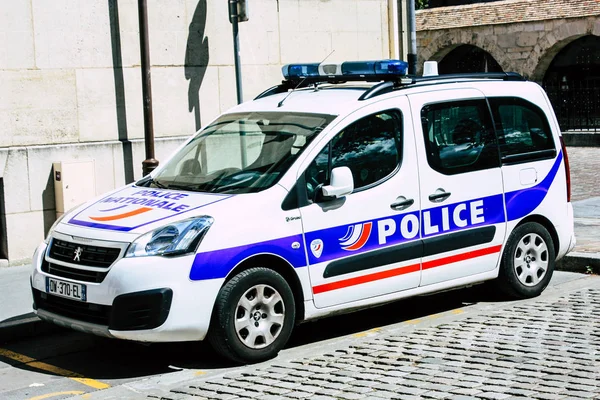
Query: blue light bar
355, 70
300, 70
395, 67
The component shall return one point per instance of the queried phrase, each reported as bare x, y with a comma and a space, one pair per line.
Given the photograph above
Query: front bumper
149, 299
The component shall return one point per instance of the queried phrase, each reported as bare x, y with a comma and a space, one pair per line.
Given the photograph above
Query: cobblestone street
585, 186
585, 172
545, 348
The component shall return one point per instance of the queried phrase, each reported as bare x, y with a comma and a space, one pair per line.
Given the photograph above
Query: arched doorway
468, 58
573, 85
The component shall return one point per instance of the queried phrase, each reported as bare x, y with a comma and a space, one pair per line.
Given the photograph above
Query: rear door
365, 244
528, 153
463, 220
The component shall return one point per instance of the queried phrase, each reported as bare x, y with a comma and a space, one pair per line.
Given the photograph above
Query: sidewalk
586, 255
15, 295
17, 319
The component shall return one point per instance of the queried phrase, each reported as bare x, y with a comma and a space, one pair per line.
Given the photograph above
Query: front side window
370, 147
240, 153
523, 130
459, 137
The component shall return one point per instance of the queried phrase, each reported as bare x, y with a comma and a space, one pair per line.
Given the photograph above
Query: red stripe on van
404, 270
461, 257
366, 278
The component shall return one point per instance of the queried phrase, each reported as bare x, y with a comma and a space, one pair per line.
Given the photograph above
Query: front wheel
528, 262
253, 317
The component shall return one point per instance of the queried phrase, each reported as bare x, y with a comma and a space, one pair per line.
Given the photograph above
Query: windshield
240, 153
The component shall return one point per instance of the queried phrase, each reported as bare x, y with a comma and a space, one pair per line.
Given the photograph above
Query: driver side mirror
342, 183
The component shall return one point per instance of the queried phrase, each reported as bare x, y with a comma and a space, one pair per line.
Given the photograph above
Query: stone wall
26, 172
527, 48
70, 85
522, 35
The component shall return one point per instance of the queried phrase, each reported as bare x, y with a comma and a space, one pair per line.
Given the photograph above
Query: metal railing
577, 105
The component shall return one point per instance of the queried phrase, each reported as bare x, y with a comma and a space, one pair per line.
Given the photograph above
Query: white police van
325, 194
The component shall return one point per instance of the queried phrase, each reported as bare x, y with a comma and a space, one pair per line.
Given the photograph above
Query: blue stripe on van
519, 203
218, 263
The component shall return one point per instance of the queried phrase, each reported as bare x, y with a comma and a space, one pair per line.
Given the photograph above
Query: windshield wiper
179, 187
147, 181
157, 184
197, 187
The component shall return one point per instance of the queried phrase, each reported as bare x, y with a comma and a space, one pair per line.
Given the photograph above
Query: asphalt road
68, 363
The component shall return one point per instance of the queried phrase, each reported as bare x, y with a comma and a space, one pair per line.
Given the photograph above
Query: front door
367, 243
463, 219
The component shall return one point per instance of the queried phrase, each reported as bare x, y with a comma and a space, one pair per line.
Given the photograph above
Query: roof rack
506, 76
386, 87
386, 83
382, 88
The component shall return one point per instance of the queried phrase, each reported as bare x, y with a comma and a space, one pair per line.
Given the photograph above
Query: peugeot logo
78, 252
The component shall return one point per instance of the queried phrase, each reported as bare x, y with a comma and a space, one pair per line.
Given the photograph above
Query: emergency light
366, 70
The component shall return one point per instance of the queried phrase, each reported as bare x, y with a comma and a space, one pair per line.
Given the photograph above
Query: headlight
47, 239
175, 239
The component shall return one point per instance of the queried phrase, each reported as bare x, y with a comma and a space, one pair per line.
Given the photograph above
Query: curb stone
24, 326
584, 263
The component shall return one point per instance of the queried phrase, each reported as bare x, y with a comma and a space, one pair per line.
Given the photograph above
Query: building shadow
196, 59
115, 40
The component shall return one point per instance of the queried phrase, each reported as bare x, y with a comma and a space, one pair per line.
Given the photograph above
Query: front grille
73, 273
91, 256
87, 312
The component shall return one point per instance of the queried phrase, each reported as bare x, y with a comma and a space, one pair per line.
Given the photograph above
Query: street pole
412, 31
150, 163
234, 18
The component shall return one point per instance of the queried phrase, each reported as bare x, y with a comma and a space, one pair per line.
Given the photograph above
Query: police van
346, 186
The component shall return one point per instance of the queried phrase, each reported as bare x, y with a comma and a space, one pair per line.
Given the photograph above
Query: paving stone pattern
544, 349
585, 172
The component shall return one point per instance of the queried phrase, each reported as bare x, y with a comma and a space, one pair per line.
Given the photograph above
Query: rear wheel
527, 262
253, 317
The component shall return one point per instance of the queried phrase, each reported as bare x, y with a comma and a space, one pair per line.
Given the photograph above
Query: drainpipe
150, 163
234, 17
412, 31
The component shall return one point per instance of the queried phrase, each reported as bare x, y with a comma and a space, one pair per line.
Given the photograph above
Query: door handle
401, 203
439, 196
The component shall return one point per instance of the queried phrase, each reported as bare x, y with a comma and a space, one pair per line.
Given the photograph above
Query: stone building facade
70, 84
553, 42
521, 35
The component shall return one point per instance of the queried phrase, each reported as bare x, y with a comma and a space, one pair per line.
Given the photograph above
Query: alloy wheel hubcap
531, 259
259, 316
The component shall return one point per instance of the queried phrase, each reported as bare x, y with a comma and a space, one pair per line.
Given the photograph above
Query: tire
527, 262
253, 317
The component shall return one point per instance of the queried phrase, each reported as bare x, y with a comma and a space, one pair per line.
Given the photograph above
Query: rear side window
523, 130
459, 137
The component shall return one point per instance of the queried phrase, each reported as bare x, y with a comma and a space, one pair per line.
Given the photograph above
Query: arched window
468, 58
573, 85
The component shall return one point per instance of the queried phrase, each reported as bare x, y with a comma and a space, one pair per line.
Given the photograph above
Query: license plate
70, 290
